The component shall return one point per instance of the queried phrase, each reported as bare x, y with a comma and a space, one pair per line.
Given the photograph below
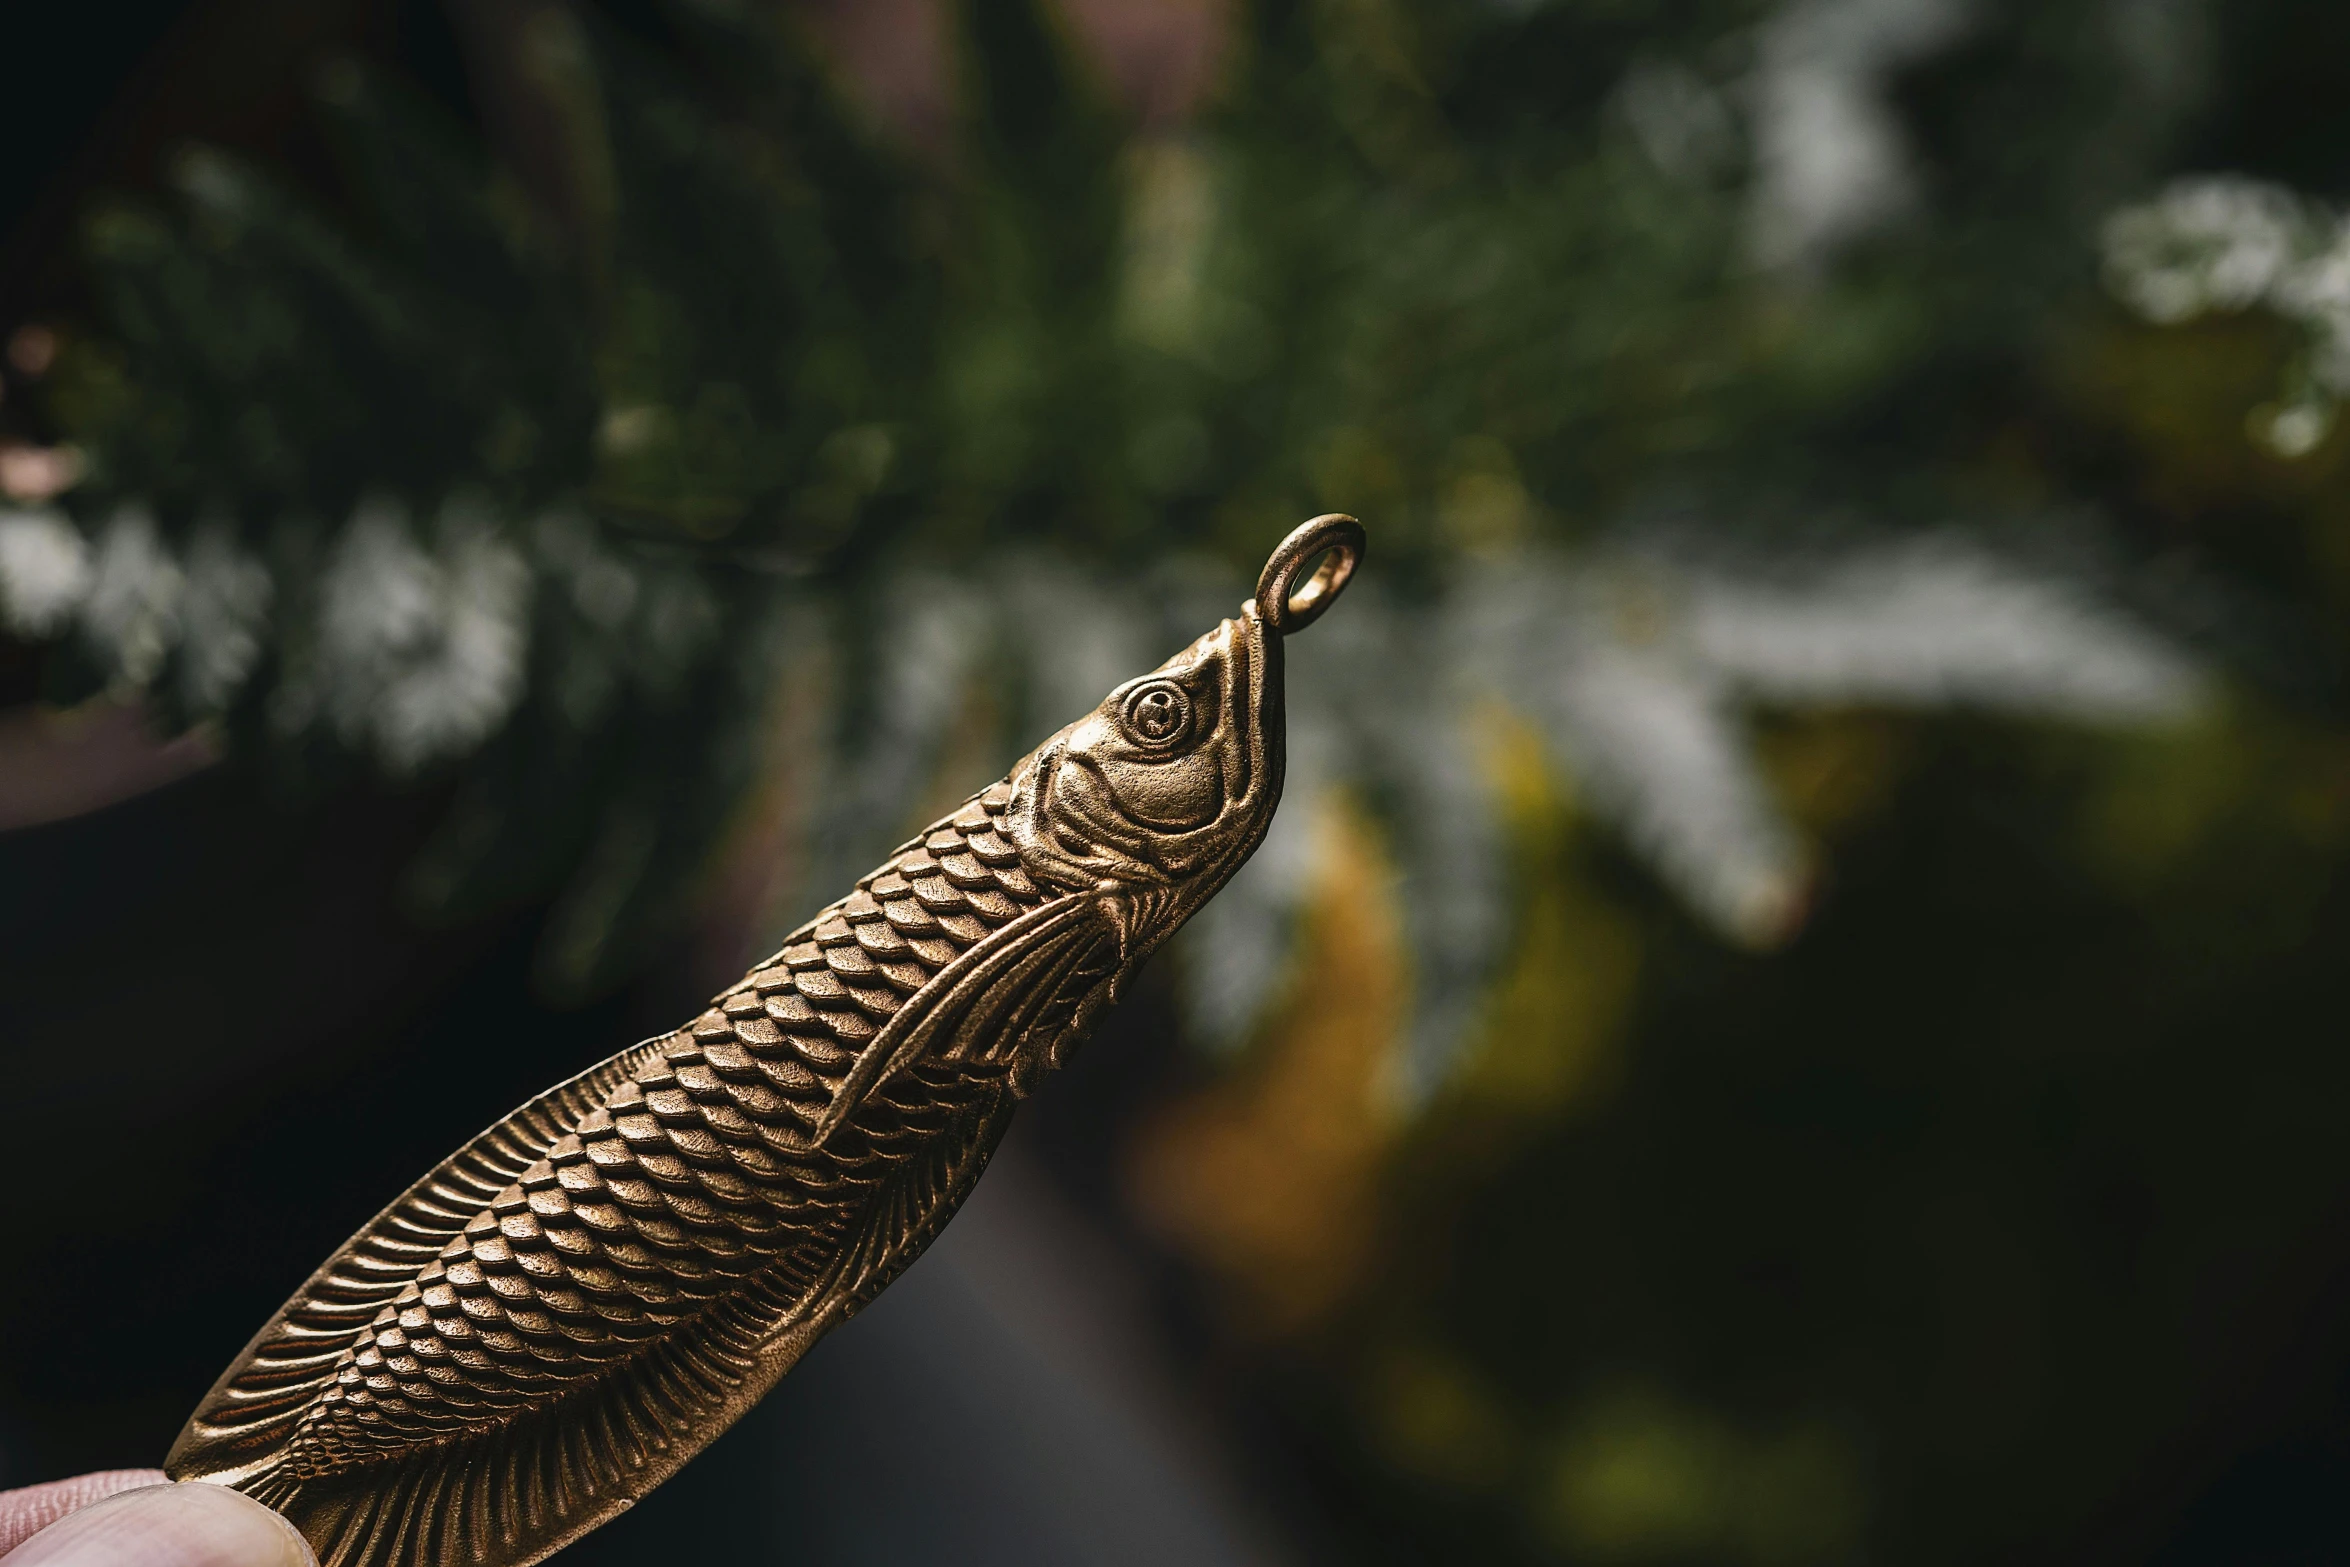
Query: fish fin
243, 1424
517, 1494
1030, 1030
915, 1205
982, 1007
523, 1489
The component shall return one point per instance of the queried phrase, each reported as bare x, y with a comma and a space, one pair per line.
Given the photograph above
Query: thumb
190, 1525
28, 1510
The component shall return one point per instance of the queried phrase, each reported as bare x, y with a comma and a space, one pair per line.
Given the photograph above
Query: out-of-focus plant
2224, 244
544, 475
706, 469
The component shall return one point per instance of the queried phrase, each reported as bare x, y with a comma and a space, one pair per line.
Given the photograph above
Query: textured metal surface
548, 1325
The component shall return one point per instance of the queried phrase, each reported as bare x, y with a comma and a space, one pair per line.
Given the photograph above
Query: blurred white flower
2219, 243
1930, 622
137, 603
1831, 161
223, 613
132, 616
1648, 731
2226, 243
2203, 245
420, 653
2317, 294
2296, 429
44, 572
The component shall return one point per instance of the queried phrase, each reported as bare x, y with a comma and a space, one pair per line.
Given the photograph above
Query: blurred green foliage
1956, 1230
1485, 274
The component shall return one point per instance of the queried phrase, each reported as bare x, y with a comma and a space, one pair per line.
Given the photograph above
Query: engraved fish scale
671, 1190
567, 1309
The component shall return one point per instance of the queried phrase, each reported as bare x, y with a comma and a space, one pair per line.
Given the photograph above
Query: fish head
1151, 801
1158, 795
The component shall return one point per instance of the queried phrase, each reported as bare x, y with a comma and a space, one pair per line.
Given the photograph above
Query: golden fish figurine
579, 1300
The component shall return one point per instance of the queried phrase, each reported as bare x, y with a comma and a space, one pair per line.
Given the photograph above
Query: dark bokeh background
2003, 1211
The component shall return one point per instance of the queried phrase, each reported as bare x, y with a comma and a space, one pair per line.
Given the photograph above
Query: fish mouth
1247, 654
1246, 657
1252, 695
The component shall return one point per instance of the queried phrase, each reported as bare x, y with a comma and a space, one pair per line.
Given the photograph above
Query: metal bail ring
1337, 540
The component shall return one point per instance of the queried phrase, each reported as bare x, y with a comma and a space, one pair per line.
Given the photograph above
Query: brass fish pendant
579, 1300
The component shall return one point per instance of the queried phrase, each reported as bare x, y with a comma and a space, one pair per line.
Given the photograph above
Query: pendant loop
1337, 541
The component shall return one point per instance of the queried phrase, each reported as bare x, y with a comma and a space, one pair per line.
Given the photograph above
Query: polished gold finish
544, 1328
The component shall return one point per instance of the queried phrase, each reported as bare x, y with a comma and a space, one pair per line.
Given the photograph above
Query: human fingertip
194, 1524
27, 1510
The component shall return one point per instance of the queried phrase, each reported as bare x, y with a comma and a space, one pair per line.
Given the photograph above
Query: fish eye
1156, 714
